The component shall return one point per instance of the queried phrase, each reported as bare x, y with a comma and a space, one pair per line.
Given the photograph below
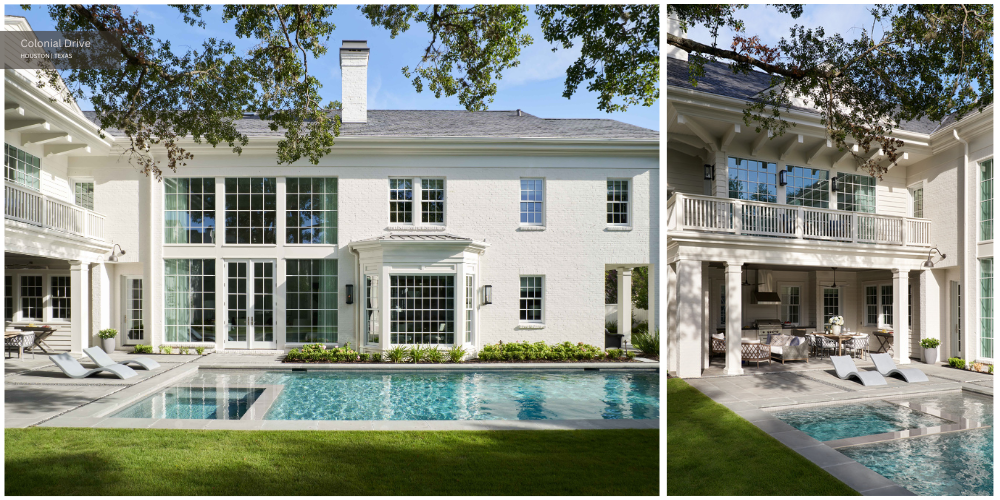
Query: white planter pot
930, 355
835, 329
108, 345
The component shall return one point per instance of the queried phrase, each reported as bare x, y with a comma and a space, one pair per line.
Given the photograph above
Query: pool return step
958, 424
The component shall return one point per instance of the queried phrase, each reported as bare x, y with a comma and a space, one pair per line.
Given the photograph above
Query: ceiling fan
834, 283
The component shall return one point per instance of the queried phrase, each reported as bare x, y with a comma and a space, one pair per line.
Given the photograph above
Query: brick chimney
354, 80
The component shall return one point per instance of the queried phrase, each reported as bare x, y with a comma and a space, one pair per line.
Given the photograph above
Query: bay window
422, 309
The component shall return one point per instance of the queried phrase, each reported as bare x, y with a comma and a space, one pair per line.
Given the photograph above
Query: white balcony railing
32, 207
686, 212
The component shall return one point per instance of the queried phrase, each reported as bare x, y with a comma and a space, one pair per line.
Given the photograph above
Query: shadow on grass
43, 461
713, 451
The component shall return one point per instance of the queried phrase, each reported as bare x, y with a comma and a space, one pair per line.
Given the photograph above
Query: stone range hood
765, 294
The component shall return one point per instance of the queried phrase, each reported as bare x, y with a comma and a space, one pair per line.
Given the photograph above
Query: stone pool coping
96, 413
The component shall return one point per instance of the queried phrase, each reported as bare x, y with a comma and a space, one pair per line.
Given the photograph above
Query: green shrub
363, 357
200, 350
648, 343
107, 333
991, 369
614, 353
143, 349
182, 350
456, 354
416, 354
434, 355
396, 354
165, 349
630, 355
641, 327
611, 326
524, 351
956, 362
929, 343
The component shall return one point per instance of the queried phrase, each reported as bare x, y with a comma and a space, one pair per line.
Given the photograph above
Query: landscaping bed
514, 352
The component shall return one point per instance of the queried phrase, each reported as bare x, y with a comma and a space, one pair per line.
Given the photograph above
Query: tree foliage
640, 287
930, 61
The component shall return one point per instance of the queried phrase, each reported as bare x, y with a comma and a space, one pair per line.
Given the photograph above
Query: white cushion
719, 336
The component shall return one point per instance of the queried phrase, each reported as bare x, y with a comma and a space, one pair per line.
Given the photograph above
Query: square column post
929, 305
79, 278
689, 316
734, 318
900, 324
673, 347
625, 301
720, 186
101, 299
706, 316
651, 311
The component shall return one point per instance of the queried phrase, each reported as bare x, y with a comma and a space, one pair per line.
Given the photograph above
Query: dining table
839, 337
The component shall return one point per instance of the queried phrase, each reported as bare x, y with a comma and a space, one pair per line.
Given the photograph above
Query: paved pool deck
756, 394
36, 393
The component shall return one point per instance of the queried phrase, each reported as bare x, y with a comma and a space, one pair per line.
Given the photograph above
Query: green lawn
713, 451
58, 461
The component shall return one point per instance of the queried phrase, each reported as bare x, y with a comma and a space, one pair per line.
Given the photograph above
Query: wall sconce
114, 256
781, 178
709, 172
929, 262
833, 184
487, 294
350, 294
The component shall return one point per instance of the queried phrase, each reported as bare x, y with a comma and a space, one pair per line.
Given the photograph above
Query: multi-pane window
618, 202
531, 202
133, 304
84, 194
422, 309
986, 307
986, 200
189, 295
189, 210
790, 304
909, 305
311, 210
831, 304
31, 297
886, 304
855, 193
401, 200
21, 168
370, 300
917, 194
722, 305
59, 290
250, 210
871, 305
311, 300
531, 299
469, 301
432, 201
8, 298
808, 187
753, 180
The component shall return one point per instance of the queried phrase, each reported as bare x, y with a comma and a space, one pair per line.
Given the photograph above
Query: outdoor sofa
789, 348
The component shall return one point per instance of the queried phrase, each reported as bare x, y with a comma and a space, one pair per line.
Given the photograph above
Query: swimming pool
827, 423
409, 395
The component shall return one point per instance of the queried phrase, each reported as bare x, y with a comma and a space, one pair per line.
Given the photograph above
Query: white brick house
747, 215
395, 238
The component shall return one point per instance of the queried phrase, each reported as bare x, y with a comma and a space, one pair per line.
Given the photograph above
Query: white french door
133, 329
250, 304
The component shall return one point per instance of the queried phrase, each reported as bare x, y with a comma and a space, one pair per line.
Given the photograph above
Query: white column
79, 277
929, 304
706, 315
100, 297
651, 294
734, 317
721, 182
900, 325
625, 302
689, 317
673, 347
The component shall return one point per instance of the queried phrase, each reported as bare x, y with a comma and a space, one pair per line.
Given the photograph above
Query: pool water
827, 423
194, 402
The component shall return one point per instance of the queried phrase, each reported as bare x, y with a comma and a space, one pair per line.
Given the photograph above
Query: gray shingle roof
487, 124
720, 80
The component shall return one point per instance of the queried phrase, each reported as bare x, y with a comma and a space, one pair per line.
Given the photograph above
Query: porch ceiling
15, 261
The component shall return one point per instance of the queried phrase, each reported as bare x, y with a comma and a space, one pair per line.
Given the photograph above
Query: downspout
964, 259
357, 309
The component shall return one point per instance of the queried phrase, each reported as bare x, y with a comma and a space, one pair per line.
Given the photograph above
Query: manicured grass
713, 451
58, 461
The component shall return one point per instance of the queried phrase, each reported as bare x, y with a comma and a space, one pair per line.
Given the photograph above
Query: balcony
34, 208
707, 214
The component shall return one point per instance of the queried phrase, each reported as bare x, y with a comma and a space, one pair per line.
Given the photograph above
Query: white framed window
432, 201
189, 300
532, 202
831, 304
855, 192
470, 297
807, 187
60, 296
311, 300
84, 193
431, 197
251, 210
753, 180
618, 202
401, 201
722, 305
986, 332
871, 305
8, 298
189, 210
917, 200
791, 303
32, 298
422, 309
531, 299
22, 168
886, 296
311, 210
986, 200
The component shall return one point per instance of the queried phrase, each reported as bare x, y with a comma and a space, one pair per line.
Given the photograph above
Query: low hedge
514, 351
539, 351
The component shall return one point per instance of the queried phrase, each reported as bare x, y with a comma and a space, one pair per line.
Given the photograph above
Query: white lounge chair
102, 359
886, 366
73, 369
846, 369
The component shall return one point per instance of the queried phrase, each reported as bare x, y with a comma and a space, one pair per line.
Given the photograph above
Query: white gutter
964, 260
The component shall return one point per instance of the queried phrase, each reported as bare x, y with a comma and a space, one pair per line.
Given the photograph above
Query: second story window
986, 200
917, 195
618, 202
311, 210
250, 210
808, 187
855, 193
84, 194
21, 168
753, 180
531, 202
189, 210
432, 201
401, 201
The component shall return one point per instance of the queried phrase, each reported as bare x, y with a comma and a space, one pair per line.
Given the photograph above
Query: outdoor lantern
833, 184
709, 172
350, 294
781, 177
487, 294
114, 256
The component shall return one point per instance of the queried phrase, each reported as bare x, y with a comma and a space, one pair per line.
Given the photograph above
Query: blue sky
535, 86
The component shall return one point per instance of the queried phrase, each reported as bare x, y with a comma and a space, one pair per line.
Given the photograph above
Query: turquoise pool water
827, 423
194, 402
413, 395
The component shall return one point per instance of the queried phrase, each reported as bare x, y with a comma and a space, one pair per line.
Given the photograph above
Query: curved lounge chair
846, 369
886, 366
73, 369
102, 359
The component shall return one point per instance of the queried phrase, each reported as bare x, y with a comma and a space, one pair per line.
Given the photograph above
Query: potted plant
108, 339
930, 350
836, 322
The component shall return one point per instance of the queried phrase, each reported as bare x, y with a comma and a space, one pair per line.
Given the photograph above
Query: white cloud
539, 63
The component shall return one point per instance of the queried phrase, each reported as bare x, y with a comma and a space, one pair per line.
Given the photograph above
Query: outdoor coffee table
840, 338
41, 333
884, 341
